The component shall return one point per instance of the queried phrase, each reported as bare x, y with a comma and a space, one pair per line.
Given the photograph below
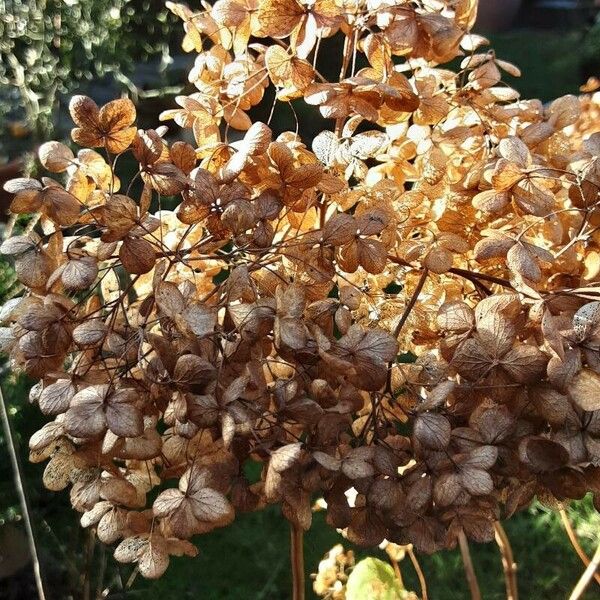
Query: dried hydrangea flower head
273, 313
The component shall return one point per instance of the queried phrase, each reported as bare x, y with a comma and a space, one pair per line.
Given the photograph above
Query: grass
250, 560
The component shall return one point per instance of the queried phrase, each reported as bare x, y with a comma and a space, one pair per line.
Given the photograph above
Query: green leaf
373, 579
406, 358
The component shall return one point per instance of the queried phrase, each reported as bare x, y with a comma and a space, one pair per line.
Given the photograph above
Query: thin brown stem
346, 57
18, 477
100, 584
419, 572
587, 576
508, 562
472, 276
297, 561
132, 578
475, 275
348, 49
468, 564
402, 322
397, 571
411, 303
575, 542
89, 554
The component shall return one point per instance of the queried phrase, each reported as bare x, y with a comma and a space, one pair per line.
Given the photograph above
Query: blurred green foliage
591, 49
50, 47
9, 286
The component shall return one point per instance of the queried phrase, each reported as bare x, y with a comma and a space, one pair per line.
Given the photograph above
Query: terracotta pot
496, 15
